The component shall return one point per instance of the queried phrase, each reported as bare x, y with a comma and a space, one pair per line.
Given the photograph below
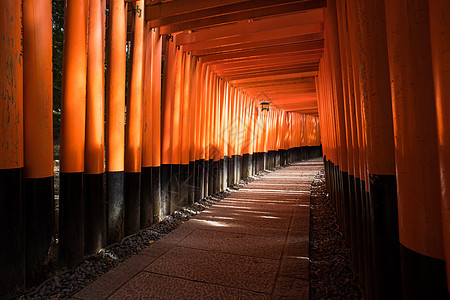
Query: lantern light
264, 105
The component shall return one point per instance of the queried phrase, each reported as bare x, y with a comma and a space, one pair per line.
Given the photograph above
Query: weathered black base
132, 202
386, 250
156, 194
115, 207
164, 209
71, 219
225, 164
191, 182
39, 207
12, 256
146, 210
94, 213
174, 188
423, 277
184, 186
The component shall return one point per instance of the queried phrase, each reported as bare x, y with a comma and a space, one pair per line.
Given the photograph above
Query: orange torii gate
188, 124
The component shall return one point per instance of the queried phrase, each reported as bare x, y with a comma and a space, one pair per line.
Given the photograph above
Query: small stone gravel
67, 284
331, 274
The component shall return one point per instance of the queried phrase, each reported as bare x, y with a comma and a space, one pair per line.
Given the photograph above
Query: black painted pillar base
250, 165
346, 208
220, 168
174, 188
265, 161
146, 217
216, 177
12, 256
423, 277
202, 177
206, 179
225, 165
115, 207
165, 196
367, 235
156, 194
360, 232
191, 182
231, 162
354, 222
237, 169
386, 245
39, 207
244, 166
211, 169
71, 219
132, 202
184, 186
94, 213
198, 180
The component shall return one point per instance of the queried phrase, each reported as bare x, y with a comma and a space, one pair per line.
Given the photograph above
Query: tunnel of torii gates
375, 72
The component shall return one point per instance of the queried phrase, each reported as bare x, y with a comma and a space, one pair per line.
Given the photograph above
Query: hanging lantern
264, 105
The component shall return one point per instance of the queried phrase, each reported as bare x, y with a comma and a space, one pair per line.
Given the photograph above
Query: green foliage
58, 38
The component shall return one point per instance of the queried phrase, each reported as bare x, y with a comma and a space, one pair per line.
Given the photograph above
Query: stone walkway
251, 245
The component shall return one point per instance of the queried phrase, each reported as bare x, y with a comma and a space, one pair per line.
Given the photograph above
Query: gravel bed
67, 284
331, 274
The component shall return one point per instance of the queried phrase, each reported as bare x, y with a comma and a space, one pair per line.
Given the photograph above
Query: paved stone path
251, 245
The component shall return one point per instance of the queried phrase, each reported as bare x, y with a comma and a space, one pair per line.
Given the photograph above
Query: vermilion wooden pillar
176, 98
94, 199
115, 120
133, 138
12, 262
440, 43
38, 138
352, 138
377, 108
352, 17
185, 130
166, 123
151, 131
73, 114
192, 115
416, 143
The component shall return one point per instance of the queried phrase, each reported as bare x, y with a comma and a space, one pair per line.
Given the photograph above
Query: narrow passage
252, 244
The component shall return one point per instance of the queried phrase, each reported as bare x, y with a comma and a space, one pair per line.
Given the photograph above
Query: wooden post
416, 142
440, 38
73, 116
12, 257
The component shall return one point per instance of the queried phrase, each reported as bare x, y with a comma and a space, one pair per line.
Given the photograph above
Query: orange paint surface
37, 89
95, 97
73, 102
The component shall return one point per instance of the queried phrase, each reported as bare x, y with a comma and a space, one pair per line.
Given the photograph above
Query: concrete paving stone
239, 227
157, 249
295, 266
156, 286
296, 246
110, 281
291, 288
242, 244
243, 272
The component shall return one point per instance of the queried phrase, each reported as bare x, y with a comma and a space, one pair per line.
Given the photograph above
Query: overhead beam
265, 77
280, 66
307, 48
313, 31
156, 10
260, 44
214, 11
255, 26
276, 72
244, 15
267, 61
